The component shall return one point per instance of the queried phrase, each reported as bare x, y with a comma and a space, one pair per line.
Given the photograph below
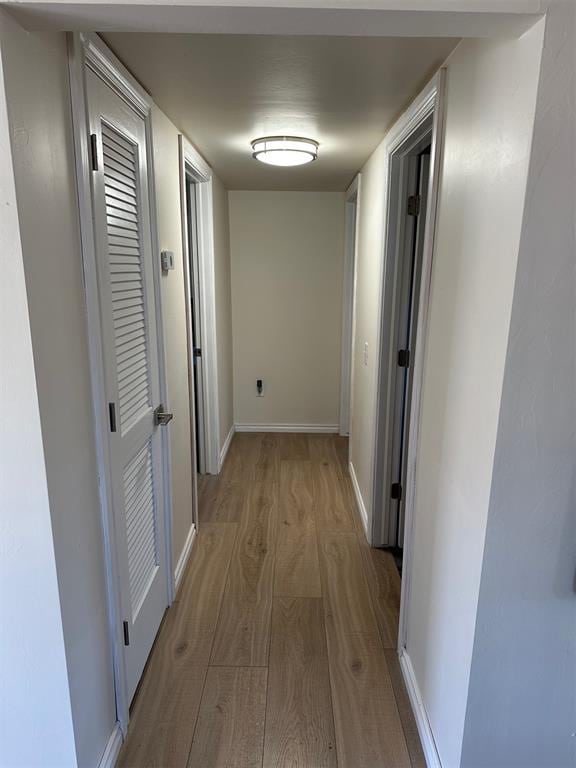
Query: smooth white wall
223, 297
370, 226
287, 260
490, 97
35, 711
167, 183
522, 693
36, 71
490, 102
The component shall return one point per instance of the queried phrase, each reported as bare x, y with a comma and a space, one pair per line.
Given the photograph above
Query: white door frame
401, 229
430, 102
352, 207
89, 51
192, 163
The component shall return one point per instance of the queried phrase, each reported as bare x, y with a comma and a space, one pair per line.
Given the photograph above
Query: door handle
162, 417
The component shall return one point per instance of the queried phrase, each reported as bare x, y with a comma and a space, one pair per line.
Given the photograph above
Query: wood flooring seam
268, 656
212, 644
330, 673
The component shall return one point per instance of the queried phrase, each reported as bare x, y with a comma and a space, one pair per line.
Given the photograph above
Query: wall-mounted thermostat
167, 260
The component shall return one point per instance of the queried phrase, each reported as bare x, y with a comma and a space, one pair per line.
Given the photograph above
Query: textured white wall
287, 260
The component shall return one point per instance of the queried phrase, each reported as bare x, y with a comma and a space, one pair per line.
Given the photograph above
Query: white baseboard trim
424, 729
359, 499
301, 428
183, 559
225, 447
108, 759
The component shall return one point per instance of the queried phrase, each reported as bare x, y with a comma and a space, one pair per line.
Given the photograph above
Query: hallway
280, 647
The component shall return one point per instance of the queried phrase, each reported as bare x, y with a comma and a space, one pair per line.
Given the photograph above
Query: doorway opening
194, 298
350, 245
198, 263
409, 179
413, 159
413, 190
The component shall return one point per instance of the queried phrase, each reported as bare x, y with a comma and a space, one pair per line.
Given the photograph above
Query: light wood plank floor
279, 650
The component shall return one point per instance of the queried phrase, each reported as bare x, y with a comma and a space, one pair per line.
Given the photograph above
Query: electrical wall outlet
259, 388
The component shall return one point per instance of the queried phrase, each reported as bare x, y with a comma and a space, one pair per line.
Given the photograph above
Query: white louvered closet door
127, 306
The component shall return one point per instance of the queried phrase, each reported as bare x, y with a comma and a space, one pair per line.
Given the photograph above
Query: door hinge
126, 633
414, 205
396, 491
403, 358
112, 414
197, 352
94, 151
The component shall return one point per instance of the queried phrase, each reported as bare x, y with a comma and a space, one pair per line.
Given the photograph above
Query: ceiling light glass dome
284, 150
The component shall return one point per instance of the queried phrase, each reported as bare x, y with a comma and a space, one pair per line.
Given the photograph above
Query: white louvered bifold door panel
120, 160
125, 251
140, 526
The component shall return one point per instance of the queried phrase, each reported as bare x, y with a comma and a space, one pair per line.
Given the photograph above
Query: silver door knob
162, 417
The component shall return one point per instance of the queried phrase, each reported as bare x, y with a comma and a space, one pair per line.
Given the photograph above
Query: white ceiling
222, 91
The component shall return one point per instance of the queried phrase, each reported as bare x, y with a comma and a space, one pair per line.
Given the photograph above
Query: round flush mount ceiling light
284, 150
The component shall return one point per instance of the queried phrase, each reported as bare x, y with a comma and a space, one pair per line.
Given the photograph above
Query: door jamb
431, 101
194, 163
87, 50
352, 198
401, 177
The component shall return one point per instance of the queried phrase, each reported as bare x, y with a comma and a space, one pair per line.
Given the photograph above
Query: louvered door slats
117, 160
140, 524
115, 186
121, 208
120, 161
129, 350
116, 197
132, 286
128, 305
126, 378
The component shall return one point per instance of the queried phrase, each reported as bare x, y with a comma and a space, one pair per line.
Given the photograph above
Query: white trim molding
184, 557
192, 162
110, 754
100, 59
416, 116
296, 428
359, 500
225, 447
423, 724
429, 104
419, 357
